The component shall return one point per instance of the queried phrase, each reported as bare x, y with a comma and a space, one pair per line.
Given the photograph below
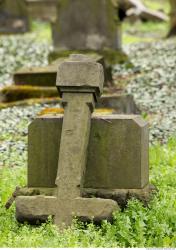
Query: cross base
39, 207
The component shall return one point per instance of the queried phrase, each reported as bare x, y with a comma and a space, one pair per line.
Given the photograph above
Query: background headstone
86, 25
13, 16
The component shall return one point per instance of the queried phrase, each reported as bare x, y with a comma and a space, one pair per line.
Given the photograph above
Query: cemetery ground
152, 81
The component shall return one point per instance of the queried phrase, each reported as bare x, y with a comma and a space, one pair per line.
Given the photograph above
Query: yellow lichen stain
57, 111
104, 111
51, 111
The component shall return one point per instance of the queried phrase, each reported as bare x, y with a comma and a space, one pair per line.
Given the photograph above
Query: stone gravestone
13, 17
80, 82
86, 25
76, 156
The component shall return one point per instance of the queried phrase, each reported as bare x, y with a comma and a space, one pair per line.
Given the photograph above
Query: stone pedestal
117, 152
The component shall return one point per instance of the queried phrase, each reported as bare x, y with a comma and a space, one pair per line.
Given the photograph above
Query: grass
132, 33
136, 226
148, 31
42, 30
137, 32
157, 5
144, 32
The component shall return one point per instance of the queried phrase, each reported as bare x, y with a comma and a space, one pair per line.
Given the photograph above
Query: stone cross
80, 83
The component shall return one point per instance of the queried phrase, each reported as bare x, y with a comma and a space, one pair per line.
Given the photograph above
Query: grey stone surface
36, 76
38, 208
121, 196
96, 209
28, 208
121, 103
91, 24
46, 76
79, 73
117, 152
74, 143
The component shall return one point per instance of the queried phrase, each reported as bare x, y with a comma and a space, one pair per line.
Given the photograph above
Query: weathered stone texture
81, 76
38, 208
121, 103
88, 24
46, 76
36, 76
117, 152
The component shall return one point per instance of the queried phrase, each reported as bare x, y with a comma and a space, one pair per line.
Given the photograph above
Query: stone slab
46, 76
15, 93
36, 76
27, 204
121, 196
117, 152
121, 103
38, 208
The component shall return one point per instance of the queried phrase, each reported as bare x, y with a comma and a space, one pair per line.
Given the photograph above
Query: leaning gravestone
13, 17
80, 82
76, 156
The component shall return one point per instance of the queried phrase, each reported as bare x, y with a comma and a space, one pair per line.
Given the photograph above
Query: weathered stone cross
80, 82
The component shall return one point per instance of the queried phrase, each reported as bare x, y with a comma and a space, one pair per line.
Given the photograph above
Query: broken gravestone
80, 82
13, 17
75, 156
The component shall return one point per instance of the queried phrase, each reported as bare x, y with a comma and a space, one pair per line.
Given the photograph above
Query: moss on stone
55, 111
111, 56
14, 93
51, 111
31, 101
